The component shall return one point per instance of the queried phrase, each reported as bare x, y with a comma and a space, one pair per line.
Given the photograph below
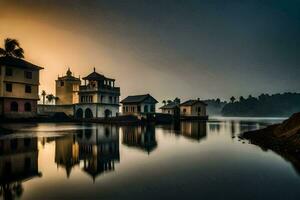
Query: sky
179, 48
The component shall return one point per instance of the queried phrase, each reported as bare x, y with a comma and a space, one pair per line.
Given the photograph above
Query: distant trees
50, 98
164, 102
232, 99
12, 48
214, 106
265, 105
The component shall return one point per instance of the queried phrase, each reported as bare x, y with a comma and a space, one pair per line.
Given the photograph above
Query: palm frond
10, 45
19, 53
2, 52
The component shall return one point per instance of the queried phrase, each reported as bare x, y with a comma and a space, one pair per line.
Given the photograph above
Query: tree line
265, 105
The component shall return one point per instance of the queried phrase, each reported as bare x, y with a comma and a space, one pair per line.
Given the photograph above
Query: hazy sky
184, 48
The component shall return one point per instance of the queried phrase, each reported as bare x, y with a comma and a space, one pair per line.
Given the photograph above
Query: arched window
14, 106
79, 113
88, 113
27, 107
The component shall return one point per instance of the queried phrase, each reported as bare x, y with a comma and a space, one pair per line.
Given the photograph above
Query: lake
190, 160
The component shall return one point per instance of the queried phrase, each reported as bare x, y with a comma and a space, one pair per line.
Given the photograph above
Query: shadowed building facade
66, 89
98, 97
19, 86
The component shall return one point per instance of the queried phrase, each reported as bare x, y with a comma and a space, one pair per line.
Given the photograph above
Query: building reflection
142, 137
195, 130
66, 153
18, 163
99, 149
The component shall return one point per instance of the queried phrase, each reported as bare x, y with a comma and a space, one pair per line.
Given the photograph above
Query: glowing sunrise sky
188, 49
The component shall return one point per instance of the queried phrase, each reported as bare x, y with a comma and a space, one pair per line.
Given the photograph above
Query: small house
193, 108
138, 104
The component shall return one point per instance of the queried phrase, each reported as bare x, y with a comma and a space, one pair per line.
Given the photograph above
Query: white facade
98, 98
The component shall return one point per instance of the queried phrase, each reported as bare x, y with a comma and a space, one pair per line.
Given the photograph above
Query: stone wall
67, 109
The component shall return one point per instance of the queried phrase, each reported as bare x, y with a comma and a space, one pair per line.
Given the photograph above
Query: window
14, 106
126, 108
27, 89
184, 110
146, 108
110, 99
139, 108
28, 74
8, 72
8, 87
62, 83
27, 107
199, 109
152, 108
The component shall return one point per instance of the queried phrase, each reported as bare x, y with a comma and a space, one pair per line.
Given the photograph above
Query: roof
137, 98
94, 76
69, 76
17, 62
171, 105
192, 102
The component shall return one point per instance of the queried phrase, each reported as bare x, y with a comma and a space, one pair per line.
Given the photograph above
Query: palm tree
12, 48
44, 95
50, 97
232, 99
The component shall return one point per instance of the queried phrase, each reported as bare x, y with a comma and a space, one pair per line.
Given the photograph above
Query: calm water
187, 160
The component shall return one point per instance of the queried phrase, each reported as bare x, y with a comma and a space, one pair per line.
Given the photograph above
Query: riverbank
284, 139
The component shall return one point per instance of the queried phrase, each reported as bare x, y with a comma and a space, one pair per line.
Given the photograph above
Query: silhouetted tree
242, 99
12, 48
164, 102
50, 97
177, 100
232, 99
44, 95
169, 101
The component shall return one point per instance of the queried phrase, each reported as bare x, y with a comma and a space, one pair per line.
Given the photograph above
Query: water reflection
66, 153
99, 149
195, 130
18, 163
89, 155
141, 137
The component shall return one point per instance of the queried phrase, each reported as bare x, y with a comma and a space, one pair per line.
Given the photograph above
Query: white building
98, 97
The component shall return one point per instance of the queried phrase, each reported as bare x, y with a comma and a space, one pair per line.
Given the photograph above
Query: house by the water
193, 109
19, 86
138, 105
98, 97
171, 107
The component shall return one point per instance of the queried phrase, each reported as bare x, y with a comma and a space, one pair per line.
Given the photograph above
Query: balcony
86, 88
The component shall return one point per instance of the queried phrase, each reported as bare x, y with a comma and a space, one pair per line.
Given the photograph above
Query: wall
21, 108
98, 110
67, 93
44, 109
193, 110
